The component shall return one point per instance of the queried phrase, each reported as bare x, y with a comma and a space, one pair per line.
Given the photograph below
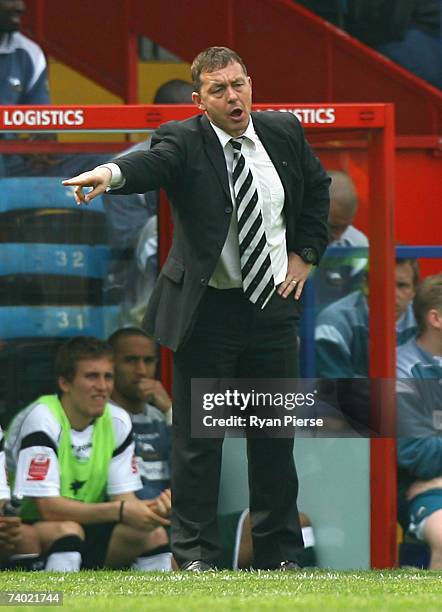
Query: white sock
161, 562
308, 537
68, 561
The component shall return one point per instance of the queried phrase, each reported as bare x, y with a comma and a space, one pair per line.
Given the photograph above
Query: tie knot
236, 143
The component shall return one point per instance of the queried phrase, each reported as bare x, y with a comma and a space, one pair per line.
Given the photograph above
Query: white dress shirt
227, 273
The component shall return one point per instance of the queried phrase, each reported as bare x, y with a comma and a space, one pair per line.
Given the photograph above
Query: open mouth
236, 113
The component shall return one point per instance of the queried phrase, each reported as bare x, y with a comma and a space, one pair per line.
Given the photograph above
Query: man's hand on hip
297, 273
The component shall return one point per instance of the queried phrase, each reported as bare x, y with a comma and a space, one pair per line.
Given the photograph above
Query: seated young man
419, 400
73, 459
150, 409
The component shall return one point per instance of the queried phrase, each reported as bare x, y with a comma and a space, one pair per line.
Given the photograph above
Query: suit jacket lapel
215, 154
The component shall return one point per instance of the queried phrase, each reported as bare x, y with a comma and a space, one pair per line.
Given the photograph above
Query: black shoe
288, 566
197, 566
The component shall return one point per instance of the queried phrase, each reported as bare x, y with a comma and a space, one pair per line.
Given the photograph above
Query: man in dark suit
250, 204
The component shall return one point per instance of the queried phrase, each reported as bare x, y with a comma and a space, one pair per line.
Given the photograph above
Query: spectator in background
406, 31
23, 69
341, 343
73, 460
341, 332
149, 406
23, 74
24, 80
336, 277
331, 10
175, 91
343, 209
419, 399
150, 409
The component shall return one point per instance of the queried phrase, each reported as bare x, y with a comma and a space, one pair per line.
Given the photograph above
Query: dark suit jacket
186, 159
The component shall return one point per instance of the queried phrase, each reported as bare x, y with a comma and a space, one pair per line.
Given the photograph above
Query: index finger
83, 180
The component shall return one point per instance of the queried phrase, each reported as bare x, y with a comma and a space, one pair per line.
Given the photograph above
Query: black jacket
186, 159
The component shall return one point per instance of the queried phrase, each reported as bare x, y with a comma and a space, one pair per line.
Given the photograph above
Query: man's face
10, 15
135, 360
405, 290
338, 221
226, 98
90, 390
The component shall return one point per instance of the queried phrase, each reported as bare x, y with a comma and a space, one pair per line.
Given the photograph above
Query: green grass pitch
253, 591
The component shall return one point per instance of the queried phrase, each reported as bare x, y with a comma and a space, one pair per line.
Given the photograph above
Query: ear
63, 384
196, 98
434, 318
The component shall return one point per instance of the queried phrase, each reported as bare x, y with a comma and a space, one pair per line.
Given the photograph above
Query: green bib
82, 480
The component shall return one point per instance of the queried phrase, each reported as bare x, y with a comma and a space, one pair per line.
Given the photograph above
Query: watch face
309, 255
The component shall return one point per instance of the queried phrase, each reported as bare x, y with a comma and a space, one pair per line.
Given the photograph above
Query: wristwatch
309, 255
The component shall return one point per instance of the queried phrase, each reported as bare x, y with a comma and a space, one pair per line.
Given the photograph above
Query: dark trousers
232, 338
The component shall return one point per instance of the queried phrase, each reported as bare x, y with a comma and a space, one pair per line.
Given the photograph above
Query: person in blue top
342, 347
23, 69
336, 277
419, 402
23, 76
341, 332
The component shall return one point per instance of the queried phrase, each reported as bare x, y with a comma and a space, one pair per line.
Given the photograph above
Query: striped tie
256, 269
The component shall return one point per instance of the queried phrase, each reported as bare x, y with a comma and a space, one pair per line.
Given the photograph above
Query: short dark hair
175, 91
428, 296
414, 267
77, 349
211, 59
126, 332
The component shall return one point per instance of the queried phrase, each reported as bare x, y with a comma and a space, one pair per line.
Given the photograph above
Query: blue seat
57, 321
61, 259
40, 192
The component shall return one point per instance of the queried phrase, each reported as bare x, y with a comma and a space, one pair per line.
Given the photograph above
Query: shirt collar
224, 138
